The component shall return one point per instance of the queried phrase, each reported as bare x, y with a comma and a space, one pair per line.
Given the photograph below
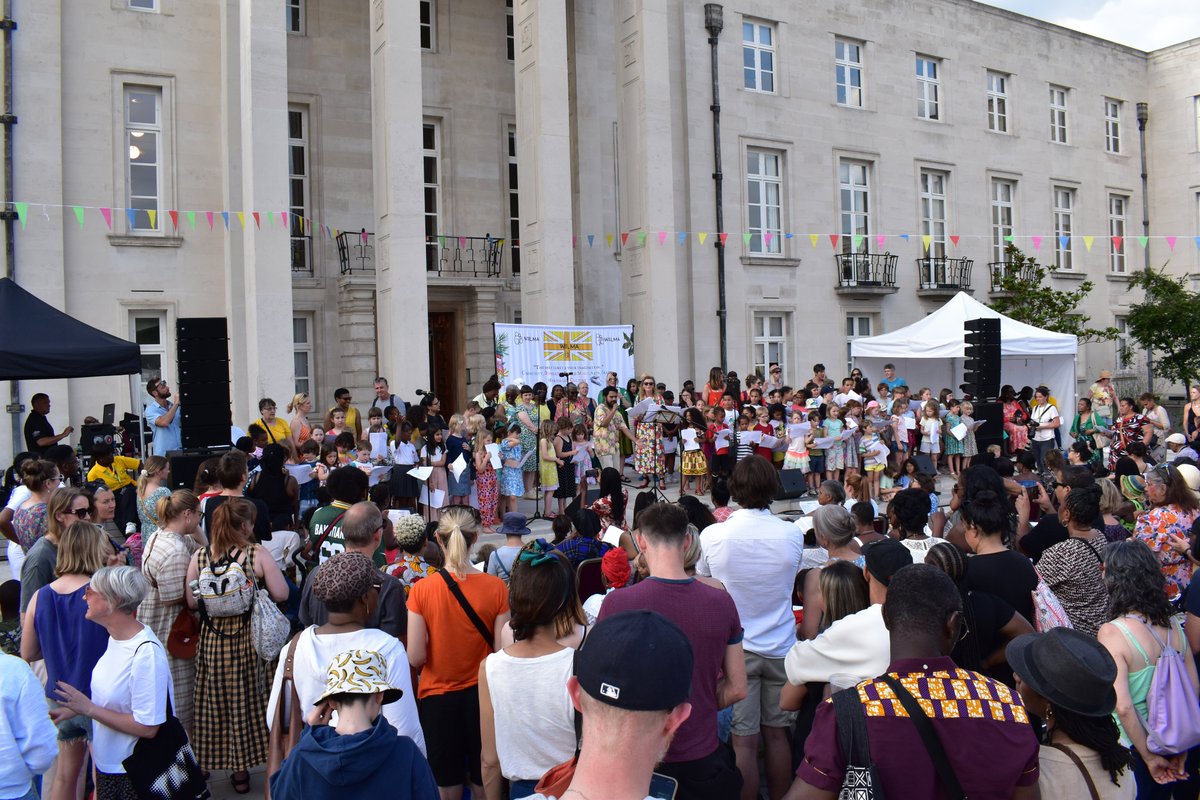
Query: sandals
642, 485
240, 781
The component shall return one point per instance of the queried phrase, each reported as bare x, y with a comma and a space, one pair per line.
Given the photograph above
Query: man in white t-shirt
757, 556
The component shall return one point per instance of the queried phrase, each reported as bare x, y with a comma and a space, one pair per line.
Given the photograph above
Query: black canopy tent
39, 341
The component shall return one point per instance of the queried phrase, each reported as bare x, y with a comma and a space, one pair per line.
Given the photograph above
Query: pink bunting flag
1171, 243
662, 238
954, 240
106, 212
1037, 243
879, 240
208, 215
283, 218
767, 237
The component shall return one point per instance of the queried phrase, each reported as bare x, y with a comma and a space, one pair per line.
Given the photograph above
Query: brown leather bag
184, 635
285, 733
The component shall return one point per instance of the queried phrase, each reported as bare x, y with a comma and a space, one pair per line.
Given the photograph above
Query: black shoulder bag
861, 779
457, 591
937, 753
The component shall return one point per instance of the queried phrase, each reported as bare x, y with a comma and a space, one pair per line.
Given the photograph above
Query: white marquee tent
930, 352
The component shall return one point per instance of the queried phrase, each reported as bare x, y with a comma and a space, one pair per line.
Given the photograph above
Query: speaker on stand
202, 348
981, 366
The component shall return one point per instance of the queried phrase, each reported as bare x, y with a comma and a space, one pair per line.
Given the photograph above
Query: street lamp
1143, 116
714, 23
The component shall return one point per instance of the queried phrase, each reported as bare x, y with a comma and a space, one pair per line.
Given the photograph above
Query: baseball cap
886, 557
1176, 438
636, 660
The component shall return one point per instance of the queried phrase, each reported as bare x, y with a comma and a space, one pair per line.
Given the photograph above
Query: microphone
421, 392
564, 374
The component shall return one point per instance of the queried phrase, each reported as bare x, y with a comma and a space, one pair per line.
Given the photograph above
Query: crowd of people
320, 602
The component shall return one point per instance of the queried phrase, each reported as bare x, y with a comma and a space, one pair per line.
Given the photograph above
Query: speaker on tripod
981, 366
202, 349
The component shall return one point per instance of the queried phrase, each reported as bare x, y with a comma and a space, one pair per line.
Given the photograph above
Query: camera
591, 473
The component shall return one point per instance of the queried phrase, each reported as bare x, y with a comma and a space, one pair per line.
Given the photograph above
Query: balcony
356, 252
938, 276
464, 256
1000, 270
866, 274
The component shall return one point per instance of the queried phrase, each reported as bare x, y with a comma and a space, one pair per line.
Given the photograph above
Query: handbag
860, 780
1048, 609
457, 591
164, 767
184, 635
937, 753
269, 628
285, 733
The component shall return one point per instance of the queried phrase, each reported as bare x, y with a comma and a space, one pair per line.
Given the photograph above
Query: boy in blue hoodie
361, 755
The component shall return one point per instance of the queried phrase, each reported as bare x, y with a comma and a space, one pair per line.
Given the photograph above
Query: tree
1027, 299
1167, 322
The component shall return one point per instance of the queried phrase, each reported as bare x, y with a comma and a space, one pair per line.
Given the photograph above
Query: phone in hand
662, 787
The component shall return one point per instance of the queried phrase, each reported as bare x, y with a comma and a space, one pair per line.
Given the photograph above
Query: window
856, 328
764, 209
1196, 102
1123, 343
514, 218
770, 340
1003, 194
295, 16
929, 86
1064, 214
431, 147
848, 68
298, 189
1117, 206
1112, 125
1058, 114
143, 135
933, 211
758, 56
302, 349
148, 329
997, 102
854, 202
510, 41
427, 25
144, 5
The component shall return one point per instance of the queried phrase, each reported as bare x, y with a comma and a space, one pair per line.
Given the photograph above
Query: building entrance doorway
446, 351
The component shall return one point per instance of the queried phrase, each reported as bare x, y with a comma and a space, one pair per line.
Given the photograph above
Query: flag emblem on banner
567, 345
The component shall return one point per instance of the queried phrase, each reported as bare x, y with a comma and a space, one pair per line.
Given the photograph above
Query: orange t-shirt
455, 648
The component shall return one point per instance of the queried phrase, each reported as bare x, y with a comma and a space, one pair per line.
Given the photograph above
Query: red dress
1018, 434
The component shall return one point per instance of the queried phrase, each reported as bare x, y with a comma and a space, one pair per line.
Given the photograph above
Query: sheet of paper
493, 450
303, 473
766, 440
959, 431
437, 500
670, 445
689, 439
379, 444
420, 473
379, 473
721, 440
481, 566
915, 406
978, 424
942, 412
799, 430
846, 436
805, 524
612, 535
824, 442
458, 466
809, 506
642, 408
526, 457
880, 424
851, 423
753, 437
396, 513
910, 423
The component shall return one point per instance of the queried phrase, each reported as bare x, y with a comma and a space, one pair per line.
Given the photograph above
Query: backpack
1048, 609
224, 590
1172, 720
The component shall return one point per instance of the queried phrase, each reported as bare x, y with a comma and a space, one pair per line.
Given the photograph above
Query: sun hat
409, 530
885, 557
1069, 668
1191, 476
359, 672
1104, 374
636, 660
514, 524
1176, 438
345, 577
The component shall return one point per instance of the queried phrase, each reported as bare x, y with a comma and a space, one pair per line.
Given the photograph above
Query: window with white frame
929, 87
432, 158
148, 330
770, 339
764, 200
514, 205
1064, 226
302, 353
428, 27
1118, 206
997, 101
1112, 125
1003, 199
295, 16
758, 56
848, 72
299, 189
933, 210
854, 204
143, 164
857, 326
1058, 114
1123, 343
143, 5
510, 31
1196, 104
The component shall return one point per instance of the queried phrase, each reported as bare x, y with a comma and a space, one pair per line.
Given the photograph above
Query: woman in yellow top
278, 430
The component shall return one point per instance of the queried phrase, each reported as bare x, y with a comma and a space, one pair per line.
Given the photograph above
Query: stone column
356, 334
258, 278
480, 341
544, 152
397, 114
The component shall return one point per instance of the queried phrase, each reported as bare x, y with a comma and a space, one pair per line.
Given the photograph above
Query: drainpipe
715, 23
9, 214
1143, 116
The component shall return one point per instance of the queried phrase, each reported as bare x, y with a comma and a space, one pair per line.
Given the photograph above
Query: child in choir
487, 483
433, 454
344, 442
582, 460
835, 454
318, 434
512, 485
459, 489
952, 445
339, 424
405, 488
722, 457
796, 456
900, 413
816, 455
852, 416
970, 448
694, 467
670, 439
779, 431
931, 432
548, 463
564, 451
745, 447
762, 424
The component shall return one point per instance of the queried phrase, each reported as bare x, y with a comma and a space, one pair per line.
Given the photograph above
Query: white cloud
1145, 24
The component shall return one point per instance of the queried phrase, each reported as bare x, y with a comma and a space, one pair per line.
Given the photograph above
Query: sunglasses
82, 513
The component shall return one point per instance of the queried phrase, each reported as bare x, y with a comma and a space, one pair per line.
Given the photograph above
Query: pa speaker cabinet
791, 484
184, 466
992, 430
189, 329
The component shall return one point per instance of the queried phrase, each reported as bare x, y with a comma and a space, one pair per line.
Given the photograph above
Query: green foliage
1026, 298
1167, 322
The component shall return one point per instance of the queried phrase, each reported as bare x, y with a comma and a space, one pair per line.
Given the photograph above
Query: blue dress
511, 483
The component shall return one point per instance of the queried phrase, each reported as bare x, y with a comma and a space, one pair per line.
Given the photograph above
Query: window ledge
764, 261
117, 240
1118, 277
1006, 134
1068, 275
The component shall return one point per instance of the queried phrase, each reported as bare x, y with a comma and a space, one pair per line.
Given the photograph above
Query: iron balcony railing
999, 270
475, 256
940, 272
302, 261
356, 251
866, 270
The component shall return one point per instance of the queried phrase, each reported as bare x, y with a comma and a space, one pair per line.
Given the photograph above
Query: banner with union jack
526, 354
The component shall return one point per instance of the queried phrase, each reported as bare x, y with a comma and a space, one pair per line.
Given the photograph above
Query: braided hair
950, 560
1098, 733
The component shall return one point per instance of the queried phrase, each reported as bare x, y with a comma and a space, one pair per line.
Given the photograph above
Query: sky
1144, 24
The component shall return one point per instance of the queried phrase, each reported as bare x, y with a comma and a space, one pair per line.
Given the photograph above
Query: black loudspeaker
184, 466
202, 345
981, 369
992, 430
791, 484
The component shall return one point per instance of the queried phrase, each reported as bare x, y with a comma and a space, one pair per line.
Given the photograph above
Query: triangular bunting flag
1087, 242
904, 236
954, 240
153, 218
191, 218
812, 239
208, 215
131, 215
1009, 239
106, 212
1064, 241
701, 237
442, 242
257, 220
1037, 243
591, 239
1171, 243
926, 239
722, 237
833, 240
683, 237
746, 237
1143, 241
283, 218
787, 235
225, 218
879, 240
1196, 239
22, 212
767, 239
662, 238
270, 218
608, 237
174, 215
856, 242
462, 242
624, 238
78, 215
641, 238
1117, 240
242, 219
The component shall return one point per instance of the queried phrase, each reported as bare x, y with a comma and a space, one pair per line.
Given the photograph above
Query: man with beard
162, 415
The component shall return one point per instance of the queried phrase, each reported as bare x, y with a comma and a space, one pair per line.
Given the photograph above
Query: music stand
663, 415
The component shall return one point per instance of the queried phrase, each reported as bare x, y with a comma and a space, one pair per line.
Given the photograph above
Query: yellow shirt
116, 476
277, 431
352, 423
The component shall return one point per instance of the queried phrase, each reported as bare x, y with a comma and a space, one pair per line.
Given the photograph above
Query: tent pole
8, 120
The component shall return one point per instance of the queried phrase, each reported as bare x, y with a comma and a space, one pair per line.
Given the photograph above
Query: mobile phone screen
663, 787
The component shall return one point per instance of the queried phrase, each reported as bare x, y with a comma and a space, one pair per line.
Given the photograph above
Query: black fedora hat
1068, 668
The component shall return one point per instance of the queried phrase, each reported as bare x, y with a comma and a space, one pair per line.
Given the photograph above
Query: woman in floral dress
525, 414
1015, 419
1166, 526
647, 450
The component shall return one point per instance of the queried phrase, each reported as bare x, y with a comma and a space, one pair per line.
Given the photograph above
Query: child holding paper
953, 445
763, 426
694, 464
779, 431
433, 454
564, 451
745, 447
970, 447
487, 484
931, 432
405, 489
722, 461
797, 452
900, 413
548, 464
816, 456
852, 415
512, 485
582, 460
459, 488
835, 454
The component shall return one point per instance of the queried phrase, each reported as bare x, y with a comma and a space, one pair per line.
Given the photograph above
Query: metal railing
999, 270
356, 251
302, 255
476, 256
940, 272
866, 270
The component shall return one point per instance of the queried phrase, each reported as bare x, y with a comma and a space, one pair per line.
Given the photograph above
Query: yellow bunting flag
925, 240
1087, 242
242, 219
701, 237
608, 237
153, 218
812, 237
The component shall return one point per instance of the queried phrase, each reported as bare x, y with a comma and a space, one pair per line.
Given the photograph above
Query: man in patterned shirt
981, 723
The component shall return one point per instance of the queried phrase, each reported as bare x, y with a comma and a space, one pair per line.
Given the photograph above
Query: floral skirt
487, 487
648, 452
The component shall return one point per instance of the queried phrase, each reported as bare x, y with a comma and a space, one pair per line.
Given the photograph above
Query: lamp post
1143, 116
714, 23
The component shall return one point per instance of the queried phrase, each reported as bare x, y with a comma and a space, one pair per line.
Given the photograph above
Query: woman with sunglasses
65, 507
1166, 525
648, 456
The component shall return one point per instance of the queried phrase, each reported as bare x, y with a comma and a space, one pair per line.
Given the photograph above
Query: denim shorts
77, 728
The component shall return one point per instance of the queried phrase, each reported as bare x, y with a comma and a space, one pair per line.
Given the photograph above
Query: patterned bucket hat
358, 672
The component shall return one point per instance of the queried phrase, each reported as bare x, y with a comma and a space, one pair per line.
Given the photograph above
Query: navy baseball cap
636, 660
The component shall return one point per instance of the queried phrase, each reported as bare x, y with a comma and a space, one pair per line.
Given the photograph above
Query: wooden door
446, 359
